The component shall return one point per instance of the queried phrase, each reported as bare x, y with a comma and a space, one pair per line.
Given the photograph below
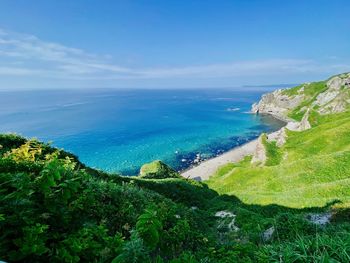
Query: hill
312, 167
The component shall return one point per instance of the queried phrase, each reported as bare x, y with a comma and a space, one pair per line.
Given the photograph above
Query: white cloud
16, 71
27, 55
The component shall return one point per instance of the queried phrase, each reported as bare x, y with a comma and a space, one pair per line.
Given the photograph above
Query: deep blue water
119, 130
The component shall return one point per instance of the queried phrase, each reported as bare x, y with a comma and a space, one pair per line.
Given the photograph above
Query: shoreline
283, 119
207, 168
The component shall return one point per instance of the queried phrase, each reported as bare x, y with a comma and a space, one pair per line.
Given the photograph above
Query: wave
233, 109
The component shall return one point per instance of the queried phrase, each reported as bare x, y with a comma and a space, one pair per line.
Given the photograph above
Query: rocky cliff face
259, 155
277, 103
326, 97
279, 137
336, 98
302, 125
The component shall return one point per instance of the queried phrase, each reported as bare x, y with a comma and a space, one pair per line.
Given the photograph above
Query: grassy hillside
311, 169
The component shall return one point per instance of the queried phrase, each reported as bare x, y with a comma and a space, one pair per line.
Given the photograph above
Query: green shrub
157, 170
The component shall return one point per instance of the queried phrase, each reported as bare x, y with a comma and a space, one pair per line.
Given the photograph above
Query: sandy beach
207, 168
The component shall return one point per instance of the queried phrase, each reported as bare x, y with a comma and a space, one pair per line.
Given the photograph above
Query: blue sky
171, 44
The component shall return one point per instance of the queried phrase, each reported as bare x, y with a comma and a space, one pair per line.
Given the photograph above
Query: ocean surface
119, 130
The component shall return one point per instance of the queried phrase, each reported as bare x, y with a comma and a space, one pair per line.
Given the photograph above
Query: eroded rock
279, 137
224, 215
278, 104
268, 234
302, 125
320, 219
336, 98
259, 155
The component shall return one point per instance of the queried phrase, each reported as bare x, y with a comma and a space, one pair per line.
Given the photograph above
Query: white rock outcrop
279, 137
302, 125
231, 220
336, 97
335, 83
259, 155
268, 233
277, 103
320, 219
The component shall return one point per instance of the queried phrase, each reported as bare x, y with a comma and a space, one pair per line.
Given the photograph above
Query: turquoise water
119, 130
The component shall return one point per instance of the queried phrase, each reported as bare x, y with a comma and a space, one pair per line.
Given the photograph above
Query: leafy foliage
53, 209
148, 226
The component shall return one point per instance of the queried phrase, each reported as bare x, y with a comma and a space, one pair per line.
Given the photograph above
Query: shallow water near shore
119, 130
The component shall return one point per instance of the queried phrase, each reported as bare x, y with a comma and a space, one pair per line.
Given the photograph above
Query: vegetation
157, 170
53, 208
273, 152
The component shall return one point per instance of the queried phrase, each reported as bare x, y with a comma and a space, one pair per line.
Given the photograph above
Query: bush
157, 170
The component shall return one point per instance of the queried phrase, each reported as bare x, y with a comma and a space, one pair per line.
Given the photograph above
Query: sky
46, 44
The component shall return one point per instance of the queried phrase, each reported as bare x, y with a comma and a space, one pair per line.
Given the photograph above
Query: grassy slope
313, 171
157, 170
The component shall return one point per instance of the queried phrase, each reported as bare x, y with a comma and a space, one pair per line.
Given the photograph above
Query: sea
119, 130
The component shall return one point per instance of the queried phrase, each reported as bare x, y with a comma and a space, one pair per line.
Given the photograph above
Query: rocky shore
205, 169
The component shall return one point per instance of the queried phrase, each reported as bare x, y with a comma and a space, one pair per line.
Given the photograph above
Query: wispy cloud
17, 71
52, 59
27, 55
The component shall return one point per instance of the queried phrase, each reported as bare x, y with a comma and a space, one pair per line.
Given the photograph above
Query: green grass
292, 91
273, 152
315, 169
157, 170
310, 89
226, 169
311, 249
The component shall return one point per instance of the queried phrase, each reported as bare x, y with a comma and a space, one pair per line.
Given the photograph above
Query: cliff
307, 162
294, 105
324, 97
